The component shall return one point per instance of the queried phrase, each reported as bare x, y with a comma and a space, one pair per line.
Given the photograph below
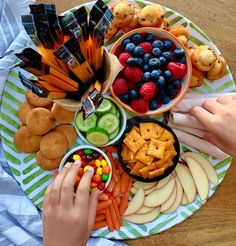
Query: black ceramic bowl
135, 121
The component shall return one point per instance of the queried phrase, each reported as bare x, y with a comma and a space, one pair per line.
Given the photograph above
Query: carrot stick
100, 212
110, 148
109, 220
116, 207
103, 204
100, 218
124, 182
111, 186
116, 190
130, 184
118, 200
99, 224
124, 203
103, 197
114, 218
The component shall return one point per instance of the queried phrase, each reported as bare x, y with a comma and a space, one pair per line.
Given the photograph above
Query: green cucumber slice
105, 107
109, 122
85, 125
114, 134
113, 110
97, 136
118, 113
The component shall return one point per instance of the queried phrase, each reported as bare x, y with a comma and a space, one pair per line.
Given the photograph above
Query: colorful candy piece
88, 151
97, 163
99, 171
105, 177
106, 170
76, 157
104, 163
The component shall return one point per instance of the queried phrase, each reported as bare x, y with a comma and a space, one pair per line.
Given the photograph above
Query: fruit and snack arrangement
45, 130
102, 126
69, 61
152, 74
148, 150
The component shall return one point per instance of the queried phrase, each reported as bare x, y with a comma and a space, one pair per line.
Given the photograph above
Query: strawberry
148, 90
120, 86
177, 69
140, 105
134, 74
123, 57
147, 47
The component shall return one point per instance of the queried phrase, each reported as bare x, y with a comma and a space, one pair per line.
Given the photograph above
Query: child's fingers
213, 106
202, 115
224, 100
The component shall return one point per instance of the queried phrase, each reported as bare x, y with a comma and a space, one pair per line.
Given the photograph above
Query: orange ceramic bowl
185, 81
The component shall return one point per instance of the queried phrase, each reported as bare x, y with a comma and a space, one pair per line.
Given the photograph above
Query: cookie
47, 164
219, 69
151, 15
39, 121
134, 24
197, 78
69, 132
165, 25
36, 100
24, 108
62, 115
53, 145
191, 48
181, 33
111, 31
25, 141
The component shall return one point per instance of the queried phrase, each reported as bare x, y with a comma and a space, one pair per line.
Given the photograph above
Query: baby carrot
116, 190
110, 148
101, 211
99, 224
116, 207
114, 218
120, 169
111, 186
100, 218
124, 182
109, 220
103, 197
124, 203
130, 184
118, 200
103, 204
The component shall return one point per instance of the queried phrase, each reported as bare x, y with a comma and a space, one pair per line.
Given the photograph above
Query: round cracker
37, 101
62, 115
45, 163
69, 132
24, 108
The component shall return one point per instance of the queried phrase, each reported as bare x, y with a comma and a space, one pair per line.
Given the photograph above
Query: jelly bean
106, 169
100, 157
104, 163
99, 171
80, 152
83, 157
105, 177
90, 190
101, 186
97, 163
76, 157
88, 151
86, 168
89, 158
93, 185
95, 155
97, 178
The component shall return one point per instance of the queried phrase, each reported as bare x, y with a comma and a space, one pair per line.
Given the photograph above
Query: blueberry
161, 93
138, 51
157, 44
132, 62
155, 74
176, 83
161, 82
154, 63
167, 44
125, 98
133, 94
139, 62
171, 91
156, 52
165, 100
167, 55
146, 68
136, 39
125, 42
162, 60
167, 74
179, 53
139, 84
146, 76
149, 37
182, 60
146, 58
153, 105
130, 47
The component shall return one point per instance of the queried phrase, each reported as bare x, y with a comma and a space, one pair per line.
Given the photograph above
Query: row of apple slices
181, 187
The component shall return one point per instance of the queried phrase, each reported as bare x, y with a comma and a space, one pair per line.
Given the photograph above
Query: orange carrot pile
113, 202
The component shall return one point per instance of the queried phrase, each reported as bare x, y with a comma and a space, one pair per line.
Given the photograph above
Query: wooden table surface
215, 223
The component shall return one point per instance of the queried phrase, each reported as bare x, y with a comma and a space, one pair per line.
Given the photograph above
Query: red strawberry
120, 86
147, 47
131, 85
140, 105
134, 74
118, 50
148, 90
123, 57
177, 69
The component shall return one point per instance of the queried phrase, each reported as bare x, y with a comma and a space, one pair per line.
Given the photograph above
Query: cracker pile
148, 150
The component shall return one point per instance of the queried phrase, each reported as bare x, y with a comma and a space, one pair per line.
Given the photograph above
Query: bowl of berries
157, 71
90, 157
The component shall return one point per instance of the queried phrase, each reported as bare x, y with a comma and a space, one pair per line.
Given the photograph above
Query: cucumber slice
114, 134
113, 109
97, 136
85, 125
109, 122
118, 113
105, 107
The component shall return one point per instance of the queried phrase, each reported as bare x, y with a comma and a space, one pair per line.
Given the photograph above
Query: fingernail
68, 164
78, 162
90, 169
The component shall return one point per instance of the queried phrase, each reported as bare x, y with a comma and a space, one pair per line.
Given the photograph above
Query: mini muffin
25, 141
53, 145
62, 115
24, 108
197, 78
191, 48
36, 100
69, 132
39, 121
134, 24
111, 31
181, 33
218, 70
165, 25
47, 164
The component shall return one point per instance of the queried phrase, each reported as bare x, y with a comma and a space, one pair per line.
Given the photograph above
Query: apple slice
200, 178
158, 197
144, 210
143, 218
179, 197
149, 191
136, 203
133, 190
205, 164
163, 182
167, 204
143, 185
186, 181
184, 199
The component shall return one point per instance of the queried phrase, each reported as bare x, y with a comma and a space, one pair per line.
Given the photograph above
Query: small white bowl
122, 128
63, 161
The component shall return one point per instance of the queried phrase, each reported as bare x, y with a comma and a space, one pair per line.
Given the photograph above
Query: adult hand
68, 218
219, 118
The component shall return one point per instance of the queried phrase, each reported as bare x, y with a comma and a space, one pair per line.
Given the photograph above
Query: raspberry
123, 57
140, 105
131, 85
120, 86
147, 47
134, 74
177, 69
148, 90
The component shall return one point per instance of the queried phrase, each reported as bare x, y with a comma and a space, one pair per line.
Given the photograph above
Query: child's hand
219, 118
68, 219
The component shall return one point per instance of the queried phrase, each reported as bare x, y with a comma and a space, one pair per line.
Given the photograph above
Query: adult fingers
82, 193
224, 100
212, 139
202, 115
46, 197
212, 106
